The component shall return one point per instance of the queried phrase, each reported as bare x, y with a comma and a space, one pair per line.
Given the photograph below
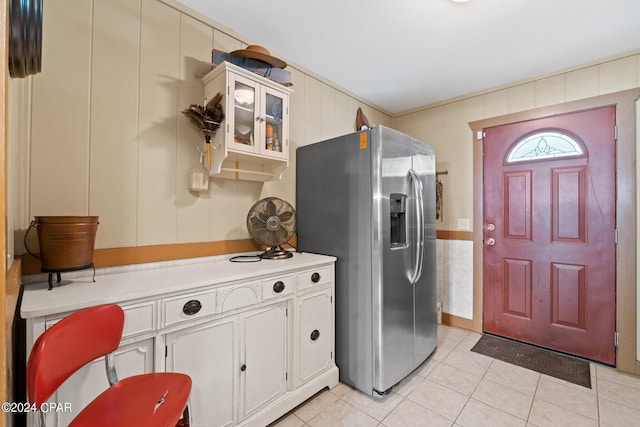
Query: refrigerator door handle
419, 257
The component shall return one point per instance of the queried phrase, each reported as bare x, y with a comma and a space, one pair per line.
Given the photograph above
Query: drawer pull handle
315, 277
278, 286
315, 335
243, 368
191, 307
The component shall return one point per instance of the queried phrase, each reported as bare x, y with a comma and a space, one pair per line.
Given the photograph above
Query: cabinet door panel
275, 113
86, 384
265, 356
315, 334
207, 354
242, 109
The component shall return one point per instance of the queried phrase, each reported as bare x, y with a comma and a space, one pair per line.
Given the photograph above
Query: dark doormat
535, 358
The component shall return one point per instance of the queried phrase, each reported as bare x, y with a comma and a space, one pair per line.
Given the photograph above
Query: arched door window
545, 145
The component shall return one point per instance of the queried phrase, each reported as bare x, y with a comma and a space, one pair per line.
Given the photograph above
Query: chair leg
186, 418
40, 419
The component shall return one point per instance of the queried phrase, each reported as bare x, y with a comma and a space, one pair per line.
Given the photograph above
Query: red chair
157, 399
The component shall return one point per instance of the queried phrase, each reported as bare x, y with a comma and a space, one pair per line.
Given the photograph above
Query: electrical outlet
464, 224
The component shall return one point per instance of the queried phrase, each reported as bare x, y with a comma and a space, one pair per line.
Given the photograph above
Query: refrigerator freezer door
333, 205
393, 321
355, 200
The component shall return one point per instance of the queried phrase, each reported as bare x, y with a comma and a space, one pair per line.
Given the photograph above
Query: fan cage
272, 222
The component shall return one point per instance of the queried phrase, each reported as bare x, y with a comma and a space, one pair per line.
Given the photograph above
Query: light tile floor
456, 387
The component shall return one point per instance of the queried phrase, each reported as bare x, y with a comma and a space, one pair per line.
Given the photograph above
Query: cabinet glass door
274, 144
244, 115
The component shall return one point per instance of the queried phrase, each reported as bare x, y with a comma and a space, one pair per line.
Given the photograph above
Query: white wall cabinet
256, 339
253, 142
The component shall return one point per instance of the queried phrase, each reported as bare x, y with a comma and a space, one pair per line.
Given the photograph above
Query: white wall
107, 136
99, 131
446, 126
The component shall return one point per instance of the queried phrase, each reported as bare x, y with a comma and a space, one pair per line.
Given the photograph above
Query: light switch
464, 224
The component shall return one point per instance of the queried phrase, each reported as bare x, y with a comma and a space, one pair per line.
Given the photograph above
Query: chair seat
146, 400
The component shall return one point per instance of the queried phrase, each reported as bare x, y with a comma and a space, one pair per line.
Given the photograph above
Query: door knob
491, 241
491, 227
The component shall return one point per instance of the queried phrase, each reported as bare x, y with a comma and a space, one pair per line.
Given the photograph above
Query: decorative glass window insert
544, 145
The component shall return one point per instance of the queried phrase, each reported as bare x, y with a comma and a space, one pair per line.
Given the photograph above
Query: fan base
276, 253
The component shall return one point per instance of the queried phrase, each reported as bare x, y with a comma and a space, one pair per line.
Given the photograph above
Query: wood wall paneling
60, 105
5, 347
109, 138
113, 184
196, 43
158, 123
313, 110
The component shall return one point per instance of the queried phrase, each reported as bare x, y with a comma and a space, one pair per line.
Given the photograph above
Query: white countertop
150, 280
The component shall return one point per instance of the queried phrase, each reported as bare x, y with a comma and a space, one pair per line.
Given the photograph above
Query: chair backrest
69, 345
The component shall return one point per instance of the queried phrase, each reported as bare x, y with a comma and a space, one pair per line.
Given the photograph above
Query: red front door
549, 232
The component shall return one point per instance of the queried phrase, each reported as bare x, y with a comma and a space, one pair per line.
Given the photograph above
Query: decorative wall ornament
439, 195
207, 118
362, 122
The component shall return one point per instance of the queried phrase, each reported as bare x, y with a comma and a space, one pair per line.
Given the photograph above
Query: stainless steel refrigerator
368, 198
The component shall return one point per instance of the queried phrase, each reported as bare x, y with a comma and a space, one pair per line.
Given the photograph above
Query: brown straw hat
261, 54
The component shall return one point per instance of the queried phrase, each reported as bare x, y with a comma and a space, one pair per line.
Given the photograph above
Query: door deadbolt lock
491, 227
491, 241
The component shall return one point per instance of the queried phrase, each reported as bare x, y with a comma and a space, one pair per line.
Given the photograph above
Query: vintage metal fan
272, 222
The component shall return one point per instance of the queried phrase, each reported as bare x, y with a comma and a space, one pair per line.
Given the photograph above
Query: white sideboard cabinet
257, 339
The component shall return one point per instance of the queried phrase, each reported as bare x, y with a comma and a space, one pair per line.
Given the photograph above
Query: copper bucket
66, 242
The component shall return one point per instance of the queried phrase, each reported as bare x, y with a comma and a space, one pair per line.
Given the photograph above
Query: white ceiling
403, 54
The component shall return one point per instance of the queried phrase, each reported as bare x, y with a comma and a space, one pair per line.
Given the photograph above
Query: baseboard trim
458, 322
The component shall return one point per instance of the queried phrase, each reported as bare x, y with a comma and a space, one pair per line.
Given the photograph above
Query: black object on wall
25, 37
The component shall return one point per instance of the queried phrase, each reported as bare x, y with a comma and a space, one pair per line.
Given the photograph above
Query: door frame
625, 103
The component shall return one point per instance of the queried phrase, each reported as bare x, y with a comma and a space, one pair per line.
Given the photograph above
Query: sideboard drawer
277, 286
139, 319
189, 307
315, 277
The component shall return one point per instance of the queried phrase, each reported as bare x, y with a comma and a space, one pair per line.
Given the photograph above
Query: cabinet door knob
315, 277
243, 368
191, 307
278, 286
315, 334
